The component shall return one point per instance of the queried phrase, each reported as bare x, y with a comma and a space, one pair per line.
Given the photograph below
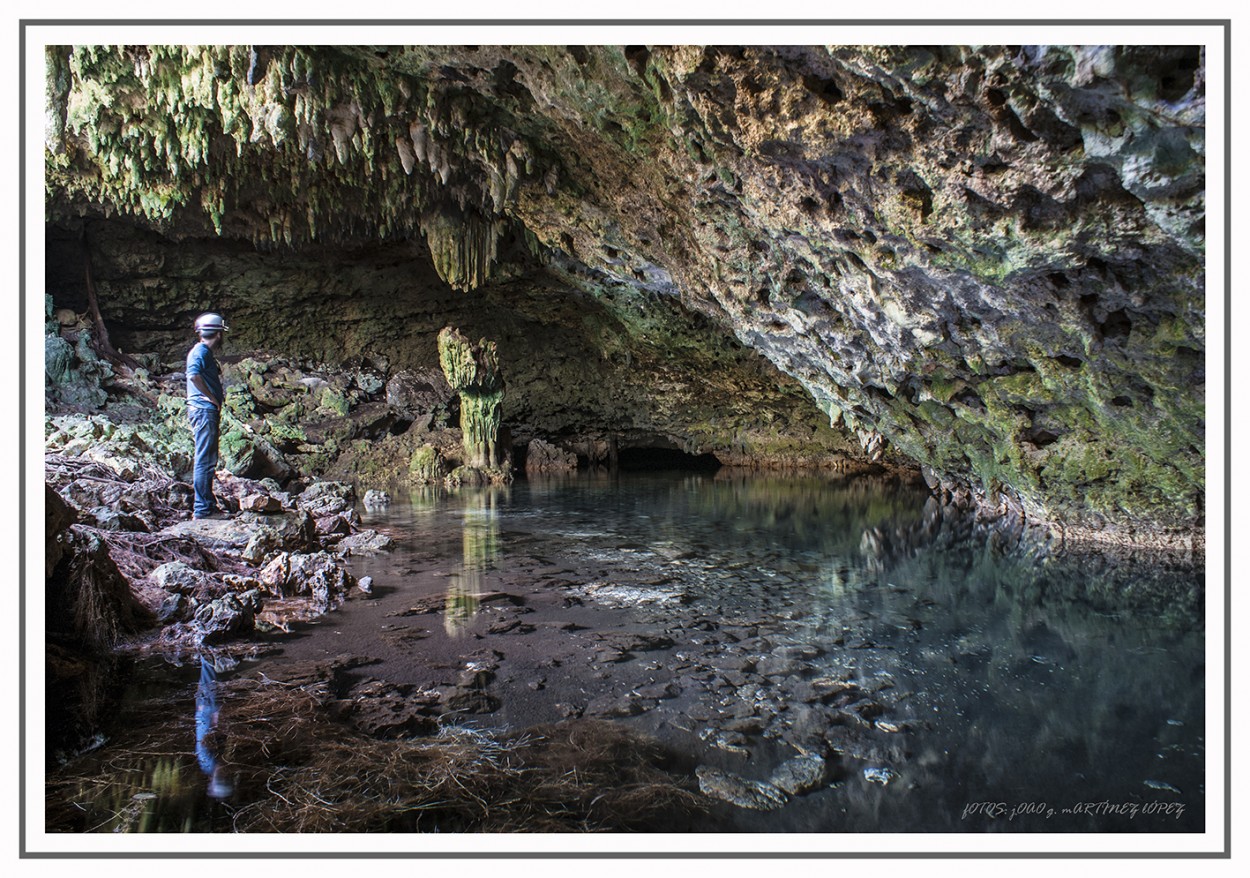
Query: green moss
334, 401
473, 371
427, 466
235, 445
285, 433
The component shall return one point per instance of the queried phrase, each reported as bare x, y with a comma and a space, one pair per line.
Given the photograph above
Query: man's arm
202, 386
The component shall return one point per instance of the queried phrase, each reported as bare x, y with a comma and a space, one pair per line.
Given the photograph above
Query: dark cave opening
653, 459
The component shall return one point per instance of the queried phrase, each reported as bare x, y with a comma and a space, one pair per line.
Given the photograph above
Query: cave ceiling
987, 262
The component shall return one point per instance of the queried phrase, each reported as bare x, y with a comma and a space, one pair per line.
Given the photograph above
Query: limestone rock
365, 542
294, 530
799, 775
177, 577
221, 619
317, 575
375, 499
543, 457
326, 498
260, 503
58, 516
418, 392
740, 791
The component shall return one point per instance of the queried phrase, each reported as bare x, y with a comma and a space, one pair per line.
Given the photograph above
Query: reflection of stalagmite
463, 597
480, 549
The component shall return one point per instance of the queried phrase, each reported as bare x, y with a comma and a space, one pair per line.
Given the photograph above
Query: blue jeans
206, 715
205, 423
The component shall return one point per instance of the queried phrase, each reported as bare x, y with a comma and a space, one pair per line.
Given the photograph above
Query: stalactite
464, 249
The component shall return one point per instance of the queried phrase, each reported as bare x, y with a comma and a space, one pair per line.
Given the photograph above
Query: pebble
880, 775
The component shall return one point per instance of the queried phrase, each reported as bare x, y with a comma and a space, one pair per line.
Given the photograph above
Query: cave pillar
473, 371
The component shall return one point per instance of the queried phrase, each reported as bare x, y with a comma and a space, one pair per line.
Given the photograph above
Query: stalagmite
473, 371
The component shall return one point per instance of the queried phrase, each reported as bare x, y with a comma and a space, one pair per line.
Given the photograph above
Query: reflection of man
205, 398
205, 722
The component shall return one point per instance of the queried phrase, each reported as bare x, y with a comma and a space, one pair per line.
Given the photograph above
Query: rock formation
986, 262
473, 371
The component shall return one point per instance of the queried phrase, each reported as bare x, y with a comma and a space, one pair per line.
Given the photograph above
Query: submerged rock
375, 499
880, 774
800, 775
740, 791
628, 596
365, 542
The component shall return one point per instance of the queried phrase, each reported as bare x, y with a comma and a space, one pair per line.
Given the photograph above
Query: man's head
211, 328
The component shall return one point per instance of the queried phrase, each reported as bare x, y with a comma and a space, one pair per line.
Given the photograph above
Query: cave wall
576, 373
986, 260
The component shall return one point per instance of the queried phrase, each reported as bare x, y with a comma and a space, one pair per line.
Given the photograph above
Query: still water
944, 682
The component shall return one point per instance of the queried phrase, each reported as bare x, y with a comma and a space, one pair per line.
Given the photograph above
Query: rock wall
987, 261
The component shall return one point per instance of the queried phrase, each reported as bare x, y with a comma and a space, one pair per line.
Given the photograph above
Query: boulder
294, 530
371, 420
416, 393
250, 455
366, 542
543, 457
326, 498
375, 499
264, 541
317, 575
333, 526
58, 516
174, 608
260, 503
177, 577
224, 618
108, 518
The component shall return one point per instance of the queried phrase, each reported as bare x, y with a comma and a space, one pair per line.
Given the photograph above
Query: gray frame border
1226, 24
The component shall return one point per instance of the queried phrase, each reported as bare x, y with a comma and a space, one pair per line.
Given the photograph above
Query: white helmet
210, 323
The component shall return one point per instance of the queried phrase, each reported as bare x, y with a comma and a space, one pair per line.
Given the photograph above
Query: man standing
205, 398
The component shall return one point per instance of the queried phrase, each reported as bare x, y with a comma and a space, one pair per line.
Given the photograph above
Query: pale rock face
986, 261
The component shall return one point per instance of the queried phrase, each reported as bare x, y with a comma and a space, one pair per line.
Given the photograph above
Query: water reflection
207, 743
936, 662
479, 552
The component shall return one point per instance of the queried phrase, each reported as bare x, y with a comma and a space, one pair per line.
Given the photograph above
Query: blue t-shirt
200, 361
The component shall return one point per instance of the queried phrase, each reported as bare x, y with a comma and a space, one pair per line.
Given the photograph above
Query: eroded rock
737, 790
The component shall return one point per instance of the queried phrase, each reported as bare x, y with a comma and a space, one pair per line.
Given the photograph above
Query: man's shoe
213, 516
